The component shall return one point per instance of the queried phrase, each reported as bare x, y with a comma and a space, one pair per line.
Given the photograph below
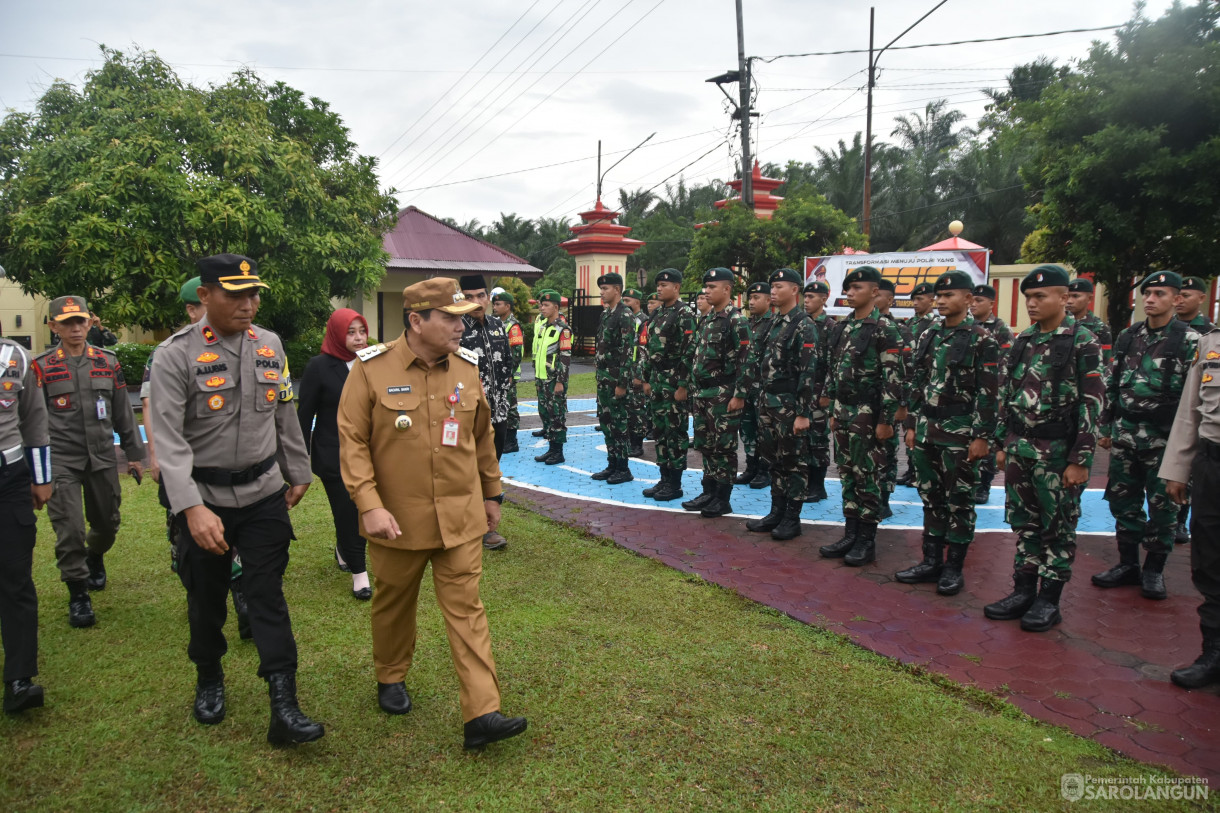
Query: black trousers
1205, 536
499, 433
260, 533
347, 525
18, 600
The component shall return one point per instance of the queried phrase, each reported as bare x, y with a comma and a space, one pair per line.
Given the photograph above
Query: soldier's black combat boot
97, 571
622, 473
762, 478
697, 503
751, 470
604, 474
555, 456
240, 607
1014, 605
790, 526
539, 433
837, 550
865, 549
209, 708
817, 484
289, 725
982, 493
768, 523
1153, 576
908, 476
651, 491
1044, 612
951, 579
928, 570
22, 694
1127, 571
719, 505
885, 512
670, 487
510, 443
550, 450
635, 445
80, 607
1203, 671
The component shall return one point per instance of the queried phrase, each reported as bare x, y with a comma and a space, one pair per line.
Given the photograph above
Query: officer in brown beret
417, 452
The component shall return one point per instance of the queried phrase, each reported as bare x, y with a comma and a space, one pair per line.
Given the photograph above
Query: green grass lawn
646, 689
580, 385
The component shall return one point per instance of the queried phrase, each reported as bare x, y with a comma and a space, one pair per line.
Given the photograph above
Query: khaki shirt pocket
61, 396
402, 404
217, 397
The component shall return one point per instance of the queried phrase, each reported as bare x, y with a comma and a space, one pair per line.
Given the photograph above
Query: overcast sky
547, 79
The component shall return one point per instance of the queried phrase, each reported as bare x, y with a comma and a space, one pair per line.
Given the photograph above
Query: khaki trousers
91, 528
455, 576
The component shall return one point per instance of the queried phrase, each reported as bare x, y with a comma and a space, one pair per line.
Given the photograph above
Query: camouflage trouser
639, 421
1133, 476
553, 410
987, 469
860, 458
669, 419
1043, 513
514, 416
612, 415
749, 427
717, 427
780, 446
819, 439
946, 484
889, 473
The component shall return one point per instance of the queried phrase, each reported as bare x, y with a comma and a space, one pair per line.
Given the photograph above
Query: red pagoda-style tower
600, 246
765, 203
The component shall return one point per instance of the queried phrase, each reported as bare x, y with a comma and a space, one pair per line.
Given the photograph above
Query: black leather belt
224, 477
937, 413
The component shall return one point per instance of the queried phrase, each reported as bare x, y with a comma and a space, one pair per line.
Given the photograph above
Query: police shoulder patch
372, 351
468, 355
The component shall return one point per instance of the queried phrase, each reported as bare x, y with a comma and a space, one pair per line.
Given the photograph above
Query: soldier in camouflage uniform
616, 341
1190, 302
782, 369
922, 302
654, 304
552, 360
720, 350
864, 393
983, 311
1080, 297
1050, 400
889, 479
669, 335
818, 447
949, 429
758, 304
638, 422
502, 305
1152, 359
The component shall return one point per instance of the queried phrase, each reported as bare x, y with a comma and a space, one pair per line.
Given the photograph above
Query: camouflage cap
1194, 284
189, 293
718, 274
1046, 276
504, 296
957, 281
550, 296
68, 307
817, 287
1162, 279
984, 290
634, 294
786, 275
926, 288
865, 273
1080, 285
610, 279
668, 275
886, 285
758, 288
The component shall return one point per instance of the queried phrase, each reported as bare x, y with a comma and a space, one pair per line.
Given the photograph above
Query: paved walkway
1103, 673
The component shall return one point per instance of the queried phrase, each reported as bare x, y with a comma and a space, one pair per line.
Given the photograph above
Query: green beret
787, 275
189, 293
504, 296
653, 296
610, 279
927, 288
1080, 285
718, 274
1162, 279
668, 275
956, 281
634, 294
817, 287
550, 296
1046, 276
758, 288
1194, 284
984, 290
886, 285
865, 273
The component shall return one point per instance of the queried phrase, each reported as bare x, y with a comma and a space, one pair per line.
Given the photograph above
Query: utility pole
743, 110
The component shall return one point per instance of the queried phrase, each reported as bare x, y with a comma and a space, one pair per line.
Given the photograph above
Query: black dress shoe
363, 594
210, 701
393, 698
492, 727
342, 565
22, 694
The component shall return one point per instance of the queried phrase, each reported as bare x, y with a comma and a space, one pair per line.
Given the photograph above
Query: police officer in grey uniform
233, 462
86, 399
25, 471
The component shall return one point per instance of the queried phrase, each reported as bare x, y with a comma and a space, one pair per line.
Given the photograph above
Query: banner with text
905, 269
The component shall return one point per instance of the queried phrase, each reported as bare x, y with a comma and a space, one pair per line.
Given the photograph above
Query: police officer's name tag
398, 390
449, 432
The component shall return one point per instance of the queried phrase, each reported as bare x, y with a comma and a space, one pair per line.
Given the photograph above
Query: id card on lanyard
451, 428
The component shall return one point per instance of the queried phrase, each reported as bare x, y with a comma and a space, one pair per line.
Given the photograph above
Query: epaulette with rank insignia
468, 355
371, 352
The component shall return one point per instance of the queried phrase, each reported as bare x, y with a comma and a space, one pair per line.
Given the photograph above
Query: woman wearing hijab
318, 403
